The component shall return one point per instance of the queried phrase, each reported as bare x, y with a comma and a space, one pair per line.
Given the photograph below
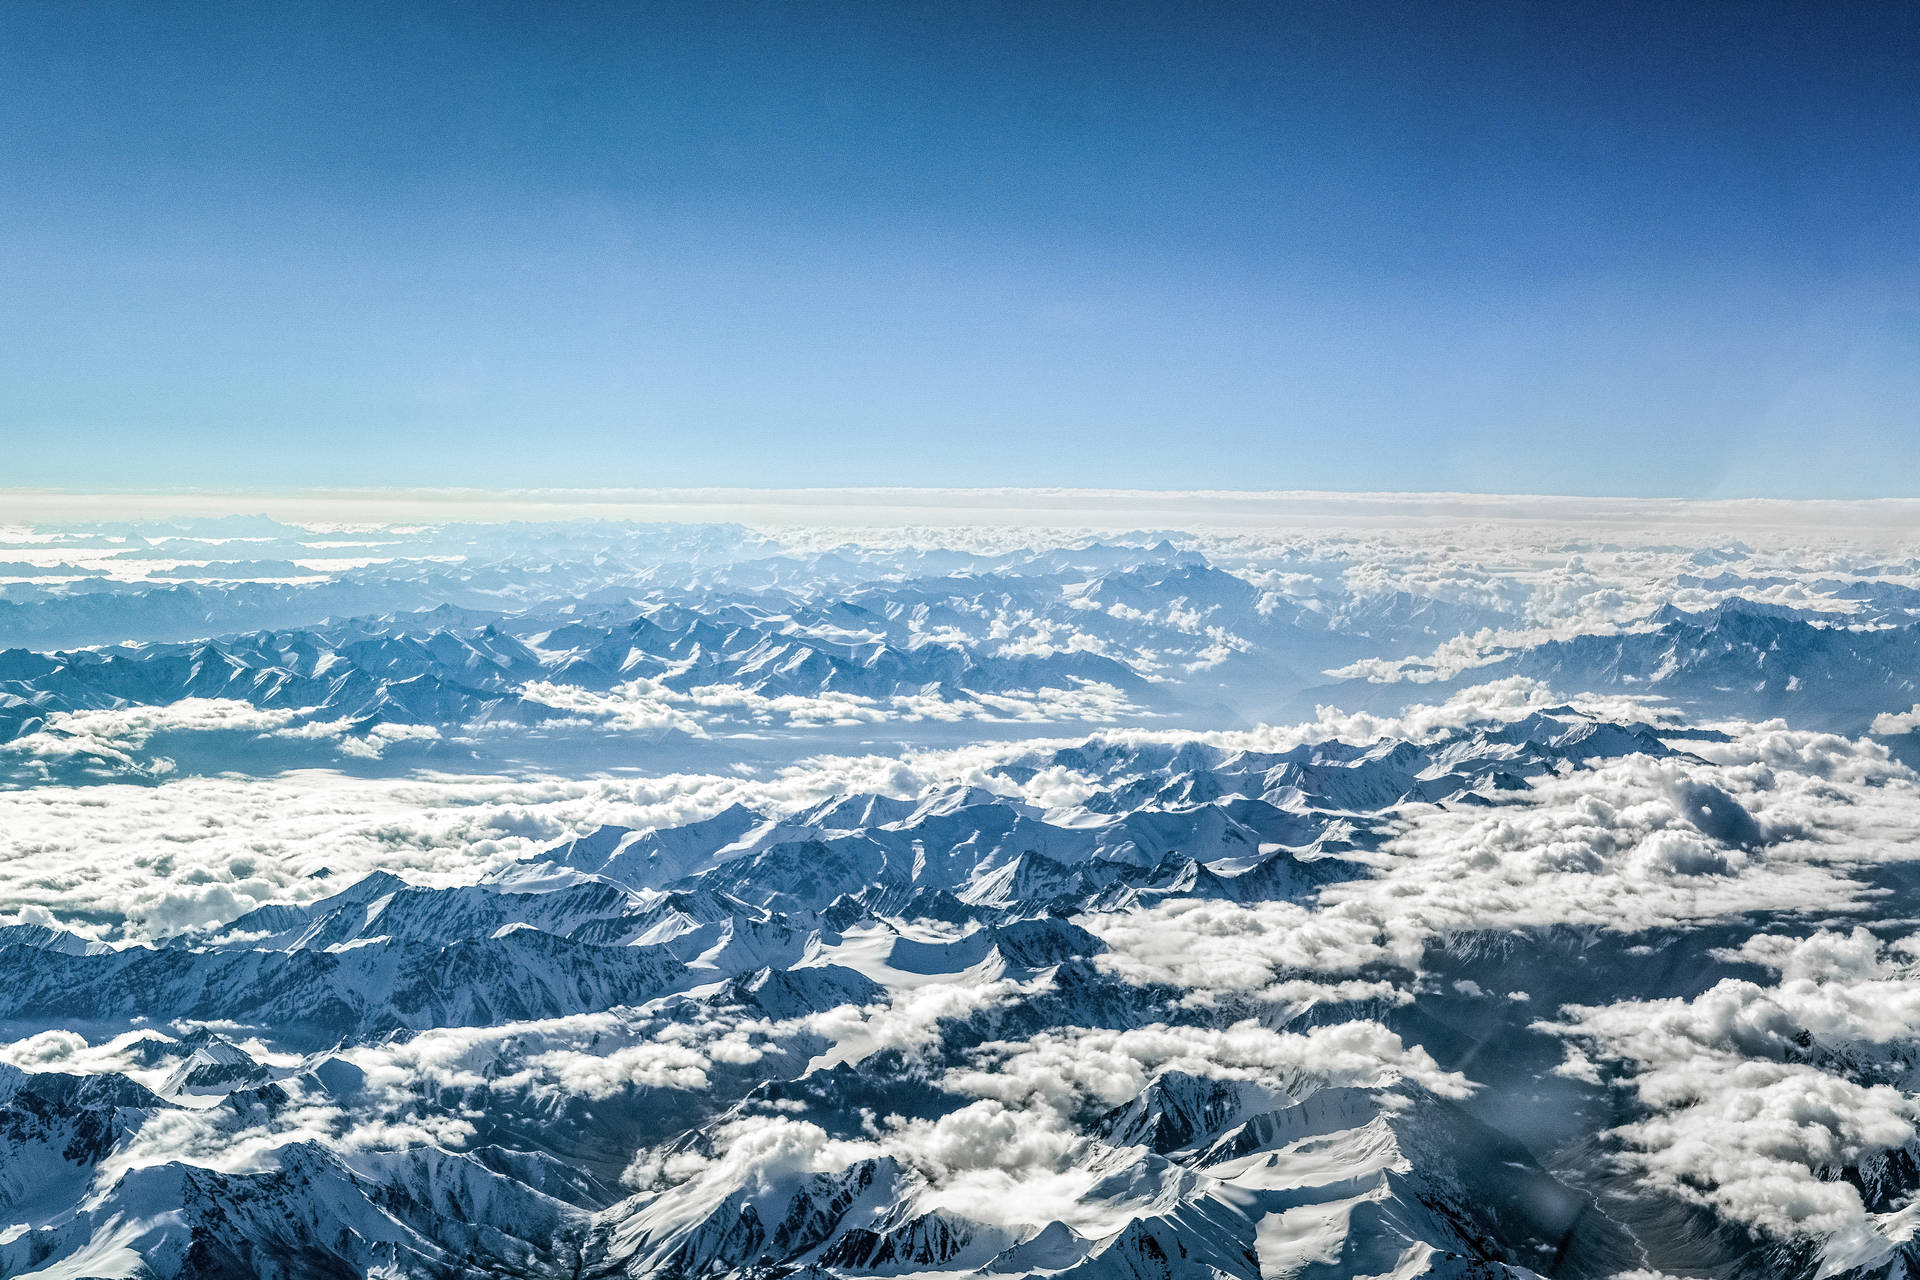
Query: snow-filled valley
1468, 898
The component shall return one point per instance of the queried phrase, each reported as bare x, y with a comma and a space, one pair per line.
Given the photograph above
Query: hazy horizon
1003, 506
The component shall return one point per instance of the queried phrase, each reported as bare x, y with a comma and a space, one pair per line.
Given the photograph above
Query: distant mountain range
1219, 906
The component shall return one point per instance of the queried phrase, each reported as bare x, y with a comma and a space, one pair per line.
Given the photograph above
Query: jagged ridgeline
689, 901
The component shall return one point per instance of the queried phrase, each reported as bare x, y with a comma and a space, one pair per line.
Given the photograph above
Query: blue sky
1638, 249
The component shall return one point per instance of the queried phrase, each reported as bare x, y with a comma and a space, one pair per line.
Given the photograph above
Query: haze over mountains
615, 899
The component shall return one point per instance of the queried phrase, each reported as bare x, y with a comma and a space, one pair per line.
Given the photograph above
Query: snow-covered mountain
631, 901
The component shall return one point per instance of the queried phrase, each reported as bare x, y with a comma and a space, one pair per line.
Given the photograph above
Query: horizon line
892, 506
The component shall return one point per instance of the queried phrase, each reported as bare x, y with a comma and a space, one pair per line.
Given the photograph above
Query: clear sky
1655, 249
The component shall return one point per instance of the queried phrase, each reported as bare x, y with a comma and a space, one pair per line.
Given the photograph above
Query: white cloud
1735, 1118
637, 706
113, 735
1892, 722
1067, 1068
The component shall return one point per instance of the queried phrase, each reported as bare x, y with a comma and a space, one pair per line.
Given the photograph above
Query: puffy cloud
149, 861
1453, 658
234, 1139
1210, 949
1892, 722
114, 734
373, 744
118, 736
1009, 1167
1622, 845
594, 1055
155, 860
637, 706
1068, 1068
669, 1044
760, 1153
1748, 1090
1013, 1156
1779, 821
71, 1053
910, 1018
